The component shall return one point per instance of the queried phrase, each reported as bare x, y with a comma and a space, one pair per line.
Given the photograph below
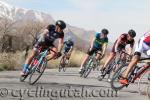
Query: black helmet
104, 31
61, 24
132, 33
51, 27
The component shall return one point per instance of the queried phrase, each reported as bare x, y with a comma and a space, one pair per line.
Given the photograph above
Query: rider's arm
71, 49
104, 48
131, 48
42, 36
60, 44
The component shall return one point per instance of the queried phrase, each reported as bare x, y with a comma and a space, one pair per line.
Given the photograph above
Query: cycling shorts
90, 52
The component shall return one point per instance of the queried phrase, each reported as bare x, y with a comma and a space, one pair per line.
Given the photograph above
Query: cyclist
143, 46
120, 45
99, 45
45, 40
68, 48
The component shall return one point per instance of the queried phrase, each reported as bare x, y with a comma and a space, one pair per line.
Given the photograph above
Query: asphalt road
55, 85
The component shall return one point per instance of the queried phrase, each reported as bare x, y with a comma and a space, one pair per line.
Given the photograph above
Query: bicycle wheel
110, 72
106, 71
64, 69
115, 84
88, 69
62, 65
37, 71
143, 83
114, 66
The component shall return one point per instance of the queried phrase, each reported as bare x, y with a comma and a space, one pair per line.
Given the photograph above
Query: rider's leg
132, 64
52, 54
68, 57
90, 52
84, 60
98, 55
28, 61
140, 47
110, 58
130, 67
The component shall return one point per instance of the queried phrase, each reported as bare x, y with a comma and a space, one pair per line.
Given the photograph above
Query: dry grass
75, 60
13, 61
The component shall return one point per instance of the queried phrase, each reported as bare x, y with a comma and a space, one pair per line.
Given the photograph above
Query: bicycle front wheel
37, 71
115, 84
143, 83
88, 69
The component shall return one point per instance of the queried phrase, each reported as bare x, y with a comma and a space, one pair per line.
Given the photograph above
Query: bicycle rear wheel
114, 66
143, 83
106, 71
62, 65
37, 71
115, 84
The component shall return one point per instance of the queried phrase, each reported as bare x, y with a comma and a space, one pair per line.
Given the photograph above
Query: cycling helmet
132, 33
61, 24
69, 38
104, 31
51, 27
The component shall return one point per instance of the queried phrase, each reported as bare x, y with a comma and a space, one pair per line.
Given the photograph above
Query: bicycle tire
117, 75
62, 66
113, 66
143, 83
43, 65
88, 69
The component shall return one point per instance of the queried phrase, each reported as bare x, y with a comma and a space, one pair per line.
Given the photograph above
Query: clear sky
117, 15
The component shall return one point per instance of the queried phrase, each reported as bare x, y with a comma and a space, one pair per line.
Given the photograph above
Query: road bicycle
63, 63
90, 64
138, 73
114, 65
37, 67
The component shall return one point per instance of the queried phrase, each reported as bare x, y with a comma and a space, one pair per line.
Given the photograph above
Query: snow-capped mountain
14, 13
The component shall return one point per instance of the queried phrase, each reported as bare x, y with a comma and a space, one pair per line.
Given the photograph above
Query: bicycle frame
140, 71
122, 59
43, 55
91, 59
63, 59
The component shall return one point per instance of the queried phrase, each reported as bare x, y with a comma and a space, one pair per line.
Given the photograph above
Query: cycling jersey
147, 38
143, 44
68, 45
50, 38
122, 43
98, 43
